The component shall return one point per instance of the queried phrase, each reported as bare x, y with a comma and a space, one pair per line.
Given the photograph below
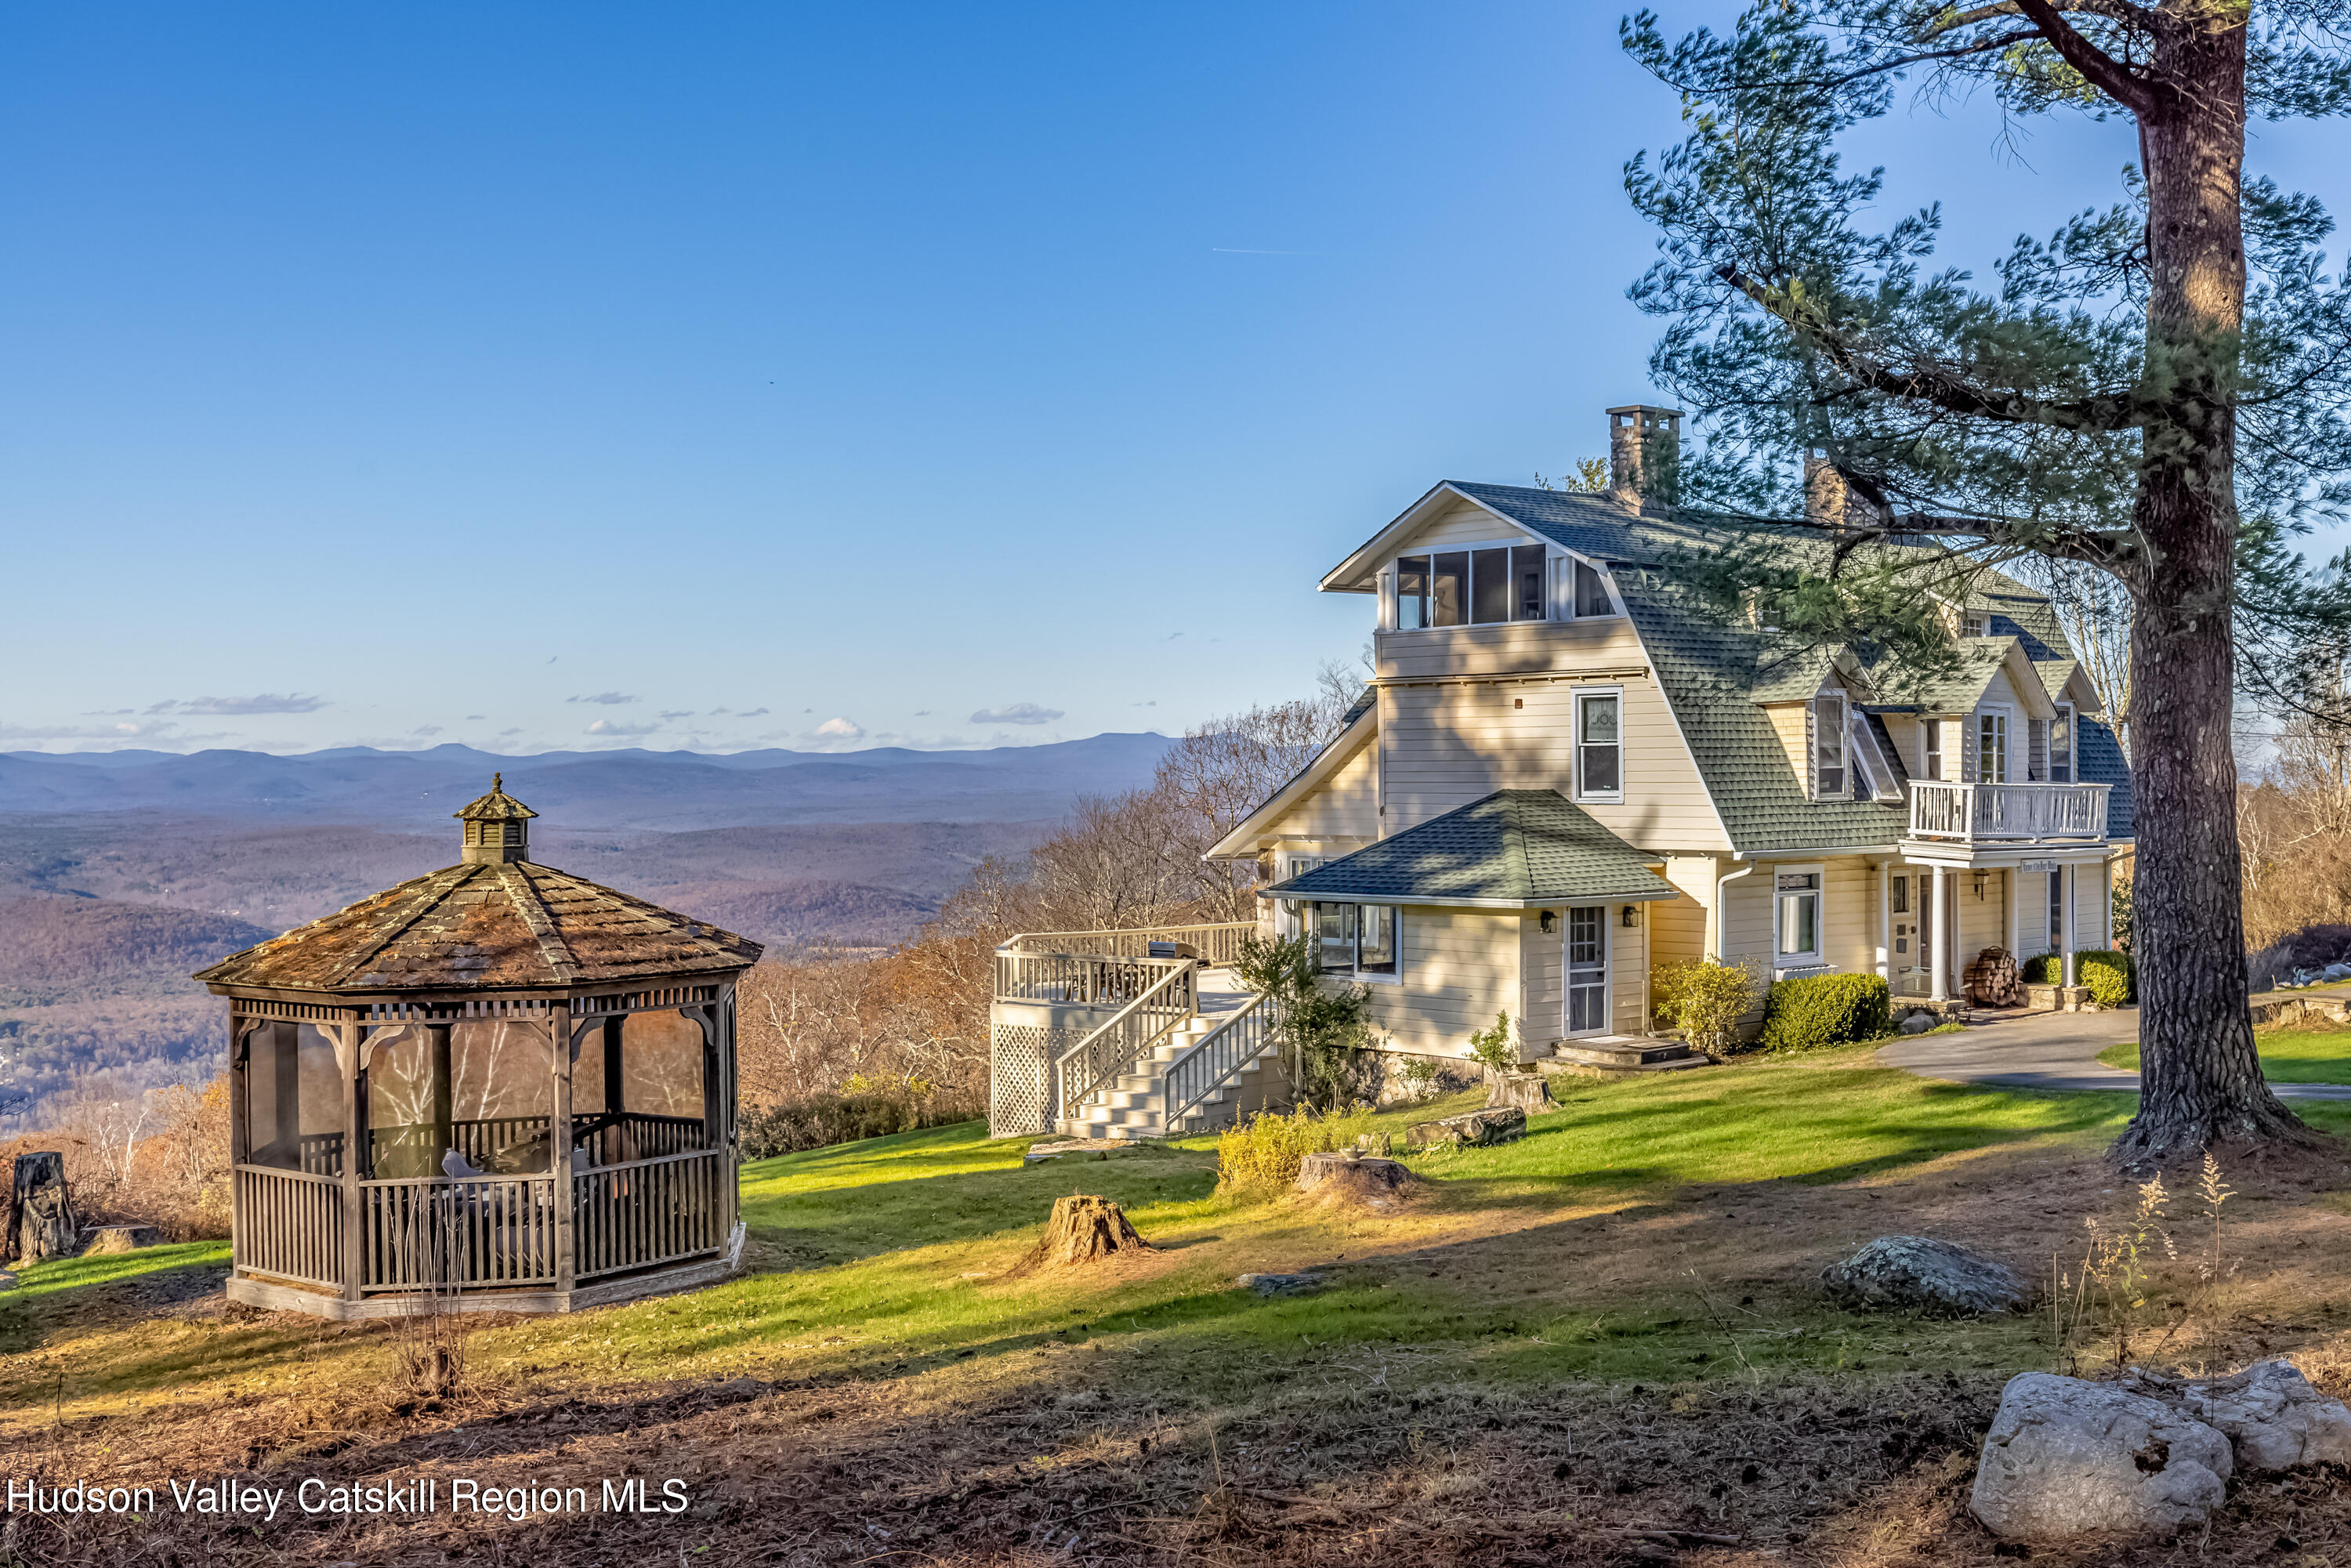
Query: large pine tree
2157, 391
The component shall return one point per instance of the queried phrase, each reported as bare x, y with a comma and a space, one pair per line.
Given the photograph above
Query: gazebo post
616, 1132
558, 1150
436, 1036
355, 1150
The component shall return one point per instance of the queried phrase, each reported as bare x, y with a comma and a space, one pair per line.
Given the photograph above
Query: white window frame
2071, 721
1576, 695
1355, 971
2000, 715
1820, 896
1571, 561
1607, 1024
1882, 785
1288, 918
1932, 758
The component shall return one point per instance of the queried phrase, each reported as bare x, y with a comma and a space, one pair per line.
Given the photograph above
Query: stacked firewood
1990, 981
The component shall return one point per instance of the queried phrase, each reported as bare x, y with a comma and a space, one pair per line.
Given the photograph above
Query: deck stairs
1620, 1056
1134, 1104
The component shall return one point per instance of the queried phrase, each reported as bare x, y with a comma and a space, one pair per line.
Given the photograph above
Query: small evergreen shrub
1705, 1000
2107, 974
1826, 1009
2041, 969
1264, 1153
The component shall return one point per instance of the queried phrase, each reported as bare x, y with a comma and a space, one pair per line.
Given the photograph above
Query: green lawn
2288, 1056
890, 1258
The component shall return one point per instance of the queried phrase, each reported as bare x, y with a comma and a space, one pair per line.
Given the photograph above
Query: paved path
2046, 1051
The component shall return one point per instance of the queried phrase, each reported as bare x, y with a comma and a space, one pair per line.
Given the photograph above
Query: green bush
1826, 1009
827, 1119
2107, 974
2041, 969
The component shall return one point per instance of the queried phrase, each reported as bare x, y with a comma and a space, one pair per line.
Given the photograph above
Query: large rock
2272, 1418
2068, 1458
1922, 1276
1495, 1124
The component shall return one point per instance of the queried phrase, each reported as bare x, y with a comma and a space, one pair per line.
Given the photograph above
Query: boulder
1917, 1023
2068, 1458
1922, 1276
2336, 972
1281, 1285
120, 1238
2272, 1418
1477, 1129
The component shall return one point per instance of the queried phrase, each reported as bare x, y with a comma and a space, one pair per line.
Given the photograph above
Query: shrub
1826, 1009
1263, 1154
1491, 1047
1421, 1078
826, 1119
2041, 969
1321, 1027
2107, 974
1705, 1000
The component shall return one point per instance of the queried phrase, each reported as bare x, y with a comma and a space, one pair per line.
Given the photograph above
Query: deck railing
458, 1233
646, 1212
2008, 814
1114, 1048
1082, 979
290, 1224
1239, 1039
1217, 944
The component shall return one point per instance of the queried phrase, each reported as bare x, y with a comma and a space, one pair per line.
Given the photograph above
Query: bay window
1360, 941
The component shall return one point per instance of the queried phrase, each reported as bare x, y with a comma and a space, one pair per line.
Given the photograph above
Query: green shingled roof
1515, 848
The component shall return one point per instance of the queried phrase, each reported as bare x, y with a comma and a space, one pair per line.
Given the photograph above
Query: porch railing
1114, 1048
2008, 814
1239, 1039
409, 1150
289, 1224
646, 1212
1217, 944
1082, 979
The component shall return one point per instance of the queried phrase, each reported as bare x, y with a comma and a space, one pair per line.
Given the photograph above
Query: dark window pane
1412, 594
1491, 579
1591, 593
1527, 571
1448, 587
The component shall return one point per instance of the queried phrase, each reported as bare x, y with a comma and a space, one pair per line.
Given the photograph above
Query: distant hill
623, 790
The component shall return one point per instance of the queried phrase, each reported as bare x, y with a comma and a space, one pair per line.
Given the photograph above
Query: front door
1587, 971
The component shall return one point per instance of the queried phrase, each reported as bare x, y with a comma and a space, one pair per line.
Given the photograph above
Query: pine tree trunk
2200, 1078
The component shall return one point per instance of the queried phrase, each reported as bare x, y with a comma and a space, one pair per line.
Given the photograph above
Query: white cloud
503, 734
261, 701
608, 699
755, 713
1016, 713
611, 728
841, 729
677, 713
427, 729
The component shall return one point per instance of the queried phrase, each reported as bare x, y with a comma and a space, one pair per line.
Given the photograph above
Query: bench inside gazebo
405, 1073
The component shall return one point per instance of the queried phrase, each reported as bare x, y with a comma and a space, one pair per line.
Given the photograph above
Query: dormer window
2061, 745
1974, 624
1591, 591
1498, 583
1828, 748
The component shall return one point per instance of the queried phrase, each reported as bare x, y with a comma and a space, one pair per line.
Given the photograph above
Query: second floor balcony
2008, 814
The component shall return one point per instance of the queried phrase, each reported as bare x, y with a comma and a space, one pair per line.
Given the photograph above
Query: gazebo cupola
497, 1087
498, 827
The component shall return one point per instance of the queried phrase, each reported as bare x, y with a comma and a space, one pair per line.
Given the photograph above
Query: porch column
436, 1038
2065, 921
1941, 971
1886, 923
2015, 913
240, 1132
561, 1040
2107, 904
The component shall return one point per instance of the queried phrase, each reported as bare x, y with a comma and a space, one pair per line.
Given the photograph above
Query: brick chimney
1645, 450
1829, 501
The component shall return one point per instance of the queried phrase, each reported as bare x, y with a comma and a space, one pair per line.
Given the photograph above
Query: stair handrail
1110, 1050
1216, 1058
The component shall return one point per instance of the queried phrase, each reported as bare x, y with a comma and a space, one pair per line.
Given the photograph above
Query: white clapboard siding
1461, 966
1347, 805
1542, 1000
1465, 524
1508, 647
1446, 745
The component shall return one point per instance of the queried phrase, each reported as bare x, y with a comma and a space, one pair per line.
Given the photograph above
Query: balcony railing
2008, 814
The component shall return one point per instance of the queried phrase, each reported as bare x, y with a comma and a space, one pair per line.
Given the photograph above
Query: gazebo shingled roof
489, 923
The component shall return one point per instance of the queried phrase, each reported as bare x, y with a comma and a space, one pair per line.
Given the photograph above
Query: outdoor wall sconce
1632, 915
1550, 922
1980, 882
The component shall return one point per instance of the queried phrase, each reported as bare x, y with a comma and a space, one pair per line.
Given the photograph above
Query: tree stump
1527, 1090
40, 1212
1084, 1229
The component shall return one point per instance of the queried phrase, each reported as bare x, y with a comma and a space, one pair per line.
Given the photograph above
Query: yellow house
1565, 772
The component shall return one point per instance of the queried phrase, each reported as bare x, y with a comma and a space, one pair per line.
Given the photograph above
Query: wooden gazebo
495, 1088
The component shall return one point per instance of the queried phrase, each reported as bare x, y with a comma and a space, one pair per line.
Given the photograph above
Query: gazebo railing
289, 1224
646, 1212
470, 1232
407, 1150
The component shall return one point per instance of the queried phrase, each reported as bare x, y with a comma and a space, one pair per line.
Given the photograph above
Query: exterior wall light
1550, 922
1980, 875
1632, 915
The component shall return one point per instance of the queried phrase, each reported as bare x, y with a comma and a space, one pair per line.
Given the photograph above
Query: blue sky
718, 376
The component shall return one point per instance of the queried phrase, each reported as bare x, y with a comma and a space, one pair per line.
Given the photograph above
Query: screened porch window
1358, 940
1474, 587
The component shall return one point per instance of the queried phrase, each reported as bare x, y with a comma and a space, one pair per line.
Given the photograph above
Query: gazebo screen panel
502, 1092
293, 1100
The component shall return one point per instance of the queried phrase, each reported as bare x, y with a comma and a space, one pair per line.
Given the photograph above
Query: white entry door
1587, 971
